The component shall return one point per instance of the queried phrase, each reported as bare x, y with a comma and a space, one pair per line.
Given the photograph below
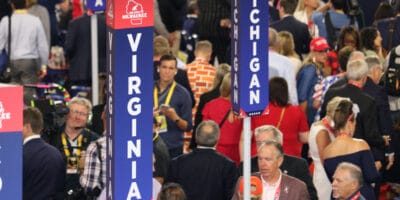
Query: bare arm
322, 141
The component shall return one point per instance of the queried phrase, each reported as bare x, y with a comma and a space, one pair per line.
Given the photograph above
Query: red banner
11, 104
122, 14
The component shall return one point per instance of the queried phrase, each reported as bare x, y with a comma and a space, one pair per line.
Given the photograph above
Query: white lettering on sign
134, 108
235, 80
254, 64
98, 3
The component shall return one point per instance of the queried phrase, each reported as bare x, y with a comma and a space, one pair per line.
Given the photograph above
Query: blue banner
11, 165
130, 107
96, 5
250, 57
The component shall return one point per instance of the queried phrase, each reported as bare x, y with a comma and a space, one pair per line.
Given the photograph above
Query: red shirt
229, 131
293, 122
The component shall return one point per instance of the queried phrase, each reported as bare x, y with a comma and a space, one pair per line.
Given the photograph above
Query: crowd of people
332, 130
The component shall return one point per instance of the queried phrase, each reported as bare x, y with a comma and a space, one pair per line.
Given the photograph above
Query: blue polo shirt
182, 103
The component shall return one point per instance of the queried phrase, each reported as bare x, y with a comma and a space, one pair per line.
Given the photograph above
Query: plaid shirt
94, 174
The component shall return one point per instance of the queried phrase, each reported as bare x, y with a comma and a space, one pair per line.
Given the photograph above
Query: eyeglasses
82, 114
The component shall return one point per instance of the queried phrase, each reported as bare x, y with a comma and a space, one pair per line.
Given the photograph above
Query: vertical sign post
97, 6
130, 102
250, 68
11, 141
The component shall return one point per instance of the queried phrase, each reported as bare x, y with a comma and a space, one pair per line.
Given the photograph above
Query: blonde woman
310, 74
286, 48
303, 13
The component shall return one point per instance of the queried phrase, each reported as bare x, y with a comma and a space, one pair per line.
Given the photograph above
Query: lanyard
277, 192
356, 196
326, 124
169, 96
281, 117
65, 145
355, 83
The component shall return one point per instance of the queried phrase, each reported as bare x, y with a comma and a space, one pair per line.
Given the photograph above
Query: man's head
171, 191
357, 70
375, 68
18, 4
160, 47
270, 158
267, 132
273, 39
167, 68
287, 7
32, 122
207, 133
347, 180
203, 50
79, 112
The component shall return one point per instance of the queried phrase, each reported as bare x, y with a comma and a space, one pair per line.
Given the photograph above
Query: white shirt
29, 138
28, 40
281, 66
269, 190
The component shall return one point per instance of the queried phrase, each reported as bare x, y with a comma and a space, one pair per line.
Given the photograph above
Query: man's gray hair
355, 172
356, 55
206, 137
274, 143
278, 136
373, 61
81, 101
356, 69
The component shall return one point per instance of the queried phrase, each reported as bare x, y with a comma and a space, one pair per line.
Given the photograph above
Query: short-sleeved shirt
293, 122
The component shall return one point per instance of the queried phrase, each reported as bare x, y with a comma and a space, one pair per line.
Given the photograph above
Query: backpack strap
330, 29
391, 32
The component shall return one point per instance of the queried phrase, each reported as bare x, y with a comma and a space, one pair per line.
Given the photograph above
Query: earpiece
158, 70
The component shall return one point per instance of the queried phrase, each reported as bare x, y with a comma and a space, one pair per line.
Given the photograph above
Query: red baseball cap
319, 44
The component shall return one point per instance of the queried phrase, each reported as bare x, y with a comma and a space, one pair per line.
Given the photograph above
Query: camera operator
71, 140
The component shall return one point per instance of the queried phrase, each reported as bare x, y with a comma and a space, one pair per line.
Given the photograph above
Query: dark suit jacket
203, 174
385, 124
180, 77
43, 171
292, 166
366, 122
198, 118
291, 188
299, 30
78, 49
383, 27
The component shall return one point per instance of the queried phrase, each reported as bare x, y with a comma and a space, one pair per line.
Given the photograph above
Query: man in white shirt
281, 66
29, 48
276, 185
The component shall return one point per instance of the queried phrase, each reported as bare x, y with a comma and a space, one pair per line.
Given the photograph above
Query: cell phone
164, 106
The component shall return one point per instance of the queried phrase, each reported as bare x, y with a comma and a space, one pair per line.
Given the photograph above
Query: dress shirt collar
203, 147
32, 137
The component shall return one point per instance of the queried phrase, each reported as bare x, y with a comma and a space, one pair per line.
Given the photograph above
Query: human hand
169, 112
378, 165
387, 139
390, 162
226, 23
